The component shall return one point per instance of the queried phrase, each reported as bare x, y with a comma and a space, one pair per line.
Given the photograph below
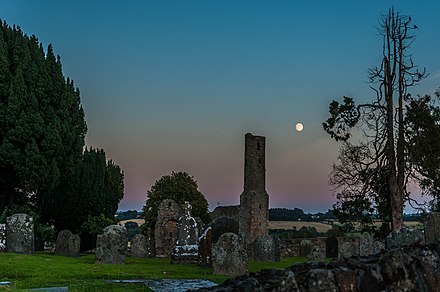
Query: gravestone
186, 249
404, 237
266, 248
305, 247
432, 227
313, 248
139, 246
2, 237
229, 256
111, 246
368, 245
205, 247
331, 247
348, 247
67, 244
20, 234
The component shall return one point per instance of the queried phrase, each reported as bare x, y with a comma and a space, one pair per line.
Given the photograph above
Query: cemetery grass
82, 274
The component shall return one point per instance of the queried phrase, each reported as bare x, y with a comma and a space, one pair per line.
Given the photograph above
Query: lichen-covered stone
266, 248
348, 246
321, 280
229, 256
139, 246
67, 244
2, 237
407, 268
368, 245
404, 237
111, 246
20, 234
313, 248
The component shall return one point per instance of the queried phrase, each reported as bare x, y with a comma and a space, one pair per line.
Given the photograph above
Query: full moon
299, 127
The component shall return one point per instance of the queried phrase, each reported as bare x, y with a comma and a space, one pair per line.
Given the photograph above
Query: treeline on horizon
276, 214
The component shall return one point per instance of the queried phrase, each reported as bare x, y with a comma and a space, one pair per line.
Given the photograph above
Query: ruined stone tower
254, 201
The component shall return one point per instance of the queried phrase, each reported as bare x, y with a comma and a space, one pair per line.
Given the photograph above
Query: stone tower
254, 201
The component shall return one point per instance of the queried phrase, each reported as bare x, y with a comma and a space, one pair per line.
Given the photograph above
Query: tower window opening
258, 146
259, 206
259, 160
260, 223
169, 204
171, 234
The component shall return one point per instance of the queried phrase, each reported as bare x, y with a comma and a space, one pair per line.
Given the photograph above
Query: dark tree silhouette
180, 187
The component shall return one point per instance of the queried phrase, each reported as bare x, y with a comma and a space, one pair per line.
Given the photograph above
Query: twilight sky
174, 85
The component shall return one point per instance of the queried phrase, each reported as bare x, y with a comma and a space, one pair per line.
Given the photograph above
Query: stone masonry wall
410, 268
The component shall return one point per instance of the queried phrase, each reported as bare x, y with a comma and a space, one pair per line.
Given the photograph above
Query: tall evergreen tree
42, 126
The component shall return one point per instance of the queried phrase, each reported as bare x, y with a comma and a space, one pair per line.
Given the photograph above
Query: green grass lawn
82, 274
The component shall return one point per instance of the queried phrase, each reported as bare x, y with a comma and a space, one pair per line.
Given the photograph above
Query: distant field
320, 227
138, 221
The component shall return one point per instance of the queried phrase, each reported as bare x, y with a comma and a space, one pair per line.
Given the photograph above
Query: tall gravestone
111, 246
20, 234
2, 237
432, 227
186, 249
229, 256
67, 244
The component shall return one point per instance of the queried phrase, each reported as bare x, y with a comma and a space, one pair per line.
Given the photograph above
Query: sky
175, 85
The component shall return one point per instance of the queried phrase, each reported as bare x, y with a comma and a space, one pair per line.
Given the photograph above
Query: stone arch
223, 225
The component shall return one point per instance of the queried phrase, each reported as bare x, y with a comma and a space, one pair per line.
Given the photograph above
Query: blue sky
175, 85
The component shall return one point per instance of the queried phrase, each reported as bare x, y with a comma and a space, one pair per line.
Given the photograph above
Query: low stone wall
226, 211
410, 268
340, 247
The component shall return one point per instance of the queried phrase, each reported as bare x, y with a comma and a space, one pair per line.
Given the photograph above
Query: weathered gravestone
348, 247
139, 246
229, 256
20, 234
266, 248
2, 237
313, 248
186, 249
166, 227
368, 245
205, 246
67, 244
404, 237
432, 227
111, 246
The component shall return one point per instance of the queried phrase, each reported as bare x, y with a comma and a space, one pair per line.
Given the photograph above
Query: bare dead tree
381, 122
